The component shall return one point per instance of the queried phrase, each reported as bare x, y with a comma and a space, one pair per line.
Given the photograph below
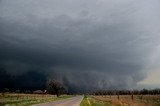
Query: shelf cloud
87, 44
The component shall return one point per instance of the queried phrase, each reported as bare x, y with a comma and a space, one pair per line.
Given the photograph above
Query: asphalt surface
74, 101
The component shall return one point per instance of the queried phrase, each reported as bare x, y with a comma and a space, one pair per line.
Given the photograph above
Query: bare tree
55, 87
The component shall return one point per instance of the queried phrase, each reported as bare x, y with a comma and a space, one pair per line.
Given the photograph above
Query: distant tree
55, 87
144, 91
6, 90
27, 92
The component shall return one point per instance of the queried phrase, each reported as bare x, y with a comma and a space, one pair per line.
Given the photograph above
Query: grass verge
31, 101
88, 101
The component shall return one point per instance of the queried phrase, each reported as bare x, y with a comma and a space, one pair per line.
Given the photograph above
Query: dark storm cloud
90, 44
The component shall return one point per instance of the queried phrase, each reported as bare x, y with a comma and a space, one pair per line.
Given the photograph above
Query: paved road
74, 101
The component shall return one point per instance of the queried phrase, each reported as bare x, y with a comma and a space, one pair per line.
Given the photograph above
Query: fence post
132, 96
118, 96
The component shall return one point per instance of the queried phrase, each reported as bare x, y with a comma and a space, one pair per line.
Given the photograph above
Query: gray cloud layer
93, 43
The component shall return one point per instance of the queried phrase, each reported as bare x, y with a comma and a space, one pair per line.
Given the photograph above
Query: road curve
74, 101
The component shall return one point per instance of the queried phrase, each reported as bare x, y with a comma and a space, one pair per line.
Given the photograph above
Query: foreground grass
87, 101
126, 100
27, 100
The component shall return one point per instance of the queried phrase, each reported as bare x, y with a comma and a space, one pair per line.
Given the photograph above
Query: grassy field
27, 99
125, 100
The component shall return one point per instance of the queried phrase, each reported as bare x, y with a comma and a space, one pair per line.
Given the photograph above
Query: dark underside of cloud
83, 47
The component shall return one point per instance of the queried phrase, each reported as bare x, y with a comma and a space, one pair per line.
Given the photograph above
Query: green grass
84, 102
87, 101
98, 103
29, 100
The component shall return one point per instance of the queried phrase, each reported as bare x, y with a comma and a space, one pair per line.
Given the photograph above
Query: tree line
127, 92
30, 82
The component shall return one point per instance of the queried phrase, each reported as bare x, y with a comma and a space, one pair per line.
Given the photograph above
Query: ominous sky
88, 44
